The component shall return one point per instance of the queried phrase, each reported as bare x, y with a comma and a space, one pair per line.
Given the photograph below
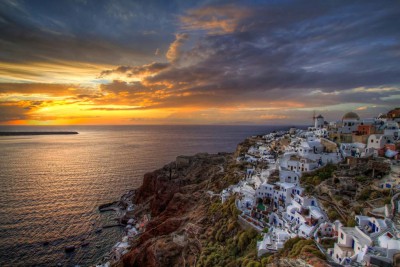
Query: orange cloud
273, 117
174, 50
215, 19
50, 89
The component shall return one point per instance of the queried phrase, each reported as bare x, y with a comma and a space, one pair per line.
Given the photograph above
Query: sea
51, 185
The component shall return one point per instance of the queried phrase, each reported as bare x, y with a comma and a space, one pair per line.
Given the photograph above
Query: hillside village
336, 183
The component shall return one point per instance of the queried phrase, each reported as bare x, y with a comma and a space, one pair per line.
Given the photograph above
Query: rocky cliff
188, 225
177, 198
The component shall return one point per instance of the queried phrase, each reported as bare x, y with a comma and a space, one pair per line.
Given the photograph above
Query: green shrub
364, 194
215, 208
358, 209
246, 237
267, 260
290, 243
259, 237
319, 254
333, 215
253, 264
318, 176
361, 179
375, 195
351, 222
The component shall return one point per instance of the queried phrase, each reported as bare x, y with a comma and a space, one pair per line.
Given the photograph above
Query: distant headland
36, 133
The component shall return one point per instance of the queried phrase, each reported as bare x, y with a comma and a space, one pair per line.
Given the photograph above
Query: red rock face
176, 199
148, 187
159, 227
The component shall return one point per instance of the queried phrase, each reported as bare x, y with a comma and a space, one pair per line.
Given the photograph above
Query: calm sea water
51, 186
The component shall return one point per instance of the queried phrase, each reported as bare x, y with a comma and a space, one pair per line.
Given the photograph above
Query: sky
196, 62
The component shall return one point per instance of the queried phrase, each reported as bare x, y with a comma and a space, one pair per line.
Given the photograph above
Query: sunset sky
196, 62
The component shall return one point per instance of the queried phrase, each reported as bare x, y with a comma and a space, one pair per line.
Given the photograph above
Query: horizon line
63, 125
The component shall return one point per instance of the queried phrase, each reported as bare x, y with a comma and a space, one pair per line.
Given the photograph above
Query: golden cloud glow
50, 72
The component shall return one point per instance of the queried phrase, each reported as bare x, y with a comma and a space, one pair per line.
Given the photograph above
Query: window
341, 236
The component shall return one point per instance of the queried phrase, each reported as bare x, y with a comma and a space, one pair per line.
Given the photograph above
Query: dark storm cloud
288, 50
113, 32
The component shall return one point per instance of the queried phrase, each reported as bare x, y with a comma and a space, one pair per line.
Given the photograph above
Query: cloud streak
215, 19
144, 70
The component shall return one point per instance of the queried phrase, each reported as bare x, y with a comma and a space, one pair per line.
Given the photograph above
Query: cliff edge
176, 198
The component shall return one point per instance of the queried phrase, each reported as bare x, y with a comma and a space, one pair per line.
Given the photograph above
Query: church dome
350, 116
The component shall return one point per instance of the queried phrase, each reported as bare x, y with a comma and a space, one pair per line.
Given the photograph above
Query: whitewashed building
378, 141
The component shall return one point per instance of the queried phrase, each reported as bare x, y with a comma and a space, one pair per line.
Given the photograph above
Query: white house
326, 229
300, 165
310, 146
305, 230
289, 177
272, 241
389, 242
354, 242
322, 132
352, 149
246, 200
275, 220
282, 193
391, 128
303, 215
378, 141
351, 241
265, 190
371, 224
